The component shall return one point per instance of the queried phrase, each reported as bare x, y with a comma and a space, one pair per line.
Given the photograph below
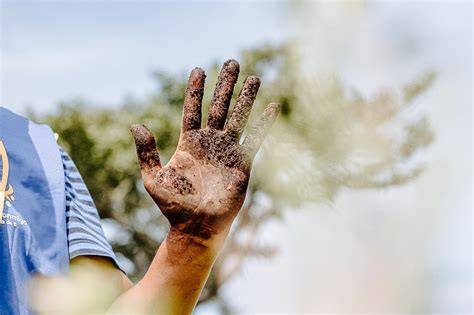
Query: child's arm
200, 191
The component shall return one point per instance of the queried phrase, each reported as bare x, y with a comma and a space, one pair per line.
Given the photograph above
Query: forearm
175, 278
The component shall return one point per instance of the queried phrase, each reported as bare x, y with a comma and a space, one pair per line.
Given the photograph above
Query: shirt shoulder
84, 229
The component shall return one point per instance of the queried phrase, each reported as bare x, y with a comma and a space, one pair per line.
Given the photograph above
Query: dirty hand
203, 186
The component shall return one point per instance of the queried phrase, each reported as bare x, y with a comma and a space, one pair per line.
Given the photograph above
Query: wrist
204, 229
182, 238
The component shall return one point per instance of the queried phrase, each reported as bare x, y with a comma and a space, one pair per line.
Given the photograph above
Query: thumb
146, 148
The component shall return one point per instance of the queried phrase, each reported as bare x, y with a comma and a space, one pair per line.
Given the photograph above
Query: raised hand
203, 186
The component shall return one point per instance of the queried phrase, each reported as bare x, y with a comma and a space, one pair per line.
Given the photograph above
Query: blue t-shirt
47, 216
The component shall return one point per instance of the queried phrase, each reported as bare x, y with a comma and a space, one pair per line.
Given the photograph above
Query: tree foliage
326, 139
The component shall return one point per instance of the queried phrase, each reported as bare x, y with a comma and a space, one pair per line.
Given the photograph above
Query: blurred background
361, 200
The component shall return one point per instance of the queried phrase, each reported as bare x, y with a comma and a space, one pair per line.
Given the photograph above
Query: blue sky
102, 51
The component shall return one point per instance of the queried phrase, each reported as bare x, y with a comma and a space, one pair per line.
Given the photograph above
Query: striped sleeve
84, 230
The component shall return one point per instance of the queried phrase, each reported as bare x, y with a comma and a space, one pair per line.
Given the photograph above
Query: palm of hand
203, 186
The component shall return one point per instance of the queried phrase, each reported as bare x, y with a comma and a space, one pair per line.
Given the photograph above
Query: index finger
193, 100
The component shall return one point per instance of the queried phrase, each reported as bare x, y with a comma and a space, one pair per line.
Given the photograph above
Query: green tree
334, 139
